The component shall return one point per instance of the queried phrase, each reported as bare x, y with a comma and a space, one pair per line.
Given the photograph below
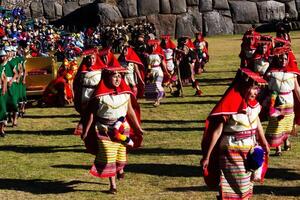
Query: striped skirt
278, 130
110, 159
235, 181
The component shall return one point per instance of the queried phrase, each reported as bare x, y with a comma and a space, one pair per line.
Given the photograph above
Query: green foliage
41, 159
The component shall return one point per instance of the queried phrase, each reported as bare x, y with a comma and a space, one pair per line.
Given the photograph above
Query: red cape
133, 57
232, 102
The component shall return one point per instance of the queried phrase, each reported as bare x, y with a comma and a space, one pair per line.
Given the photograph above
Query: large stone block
165, 7
270, 10
70, 7
146, 7
84, 2
244, 12
241, 28
205, 5
189, 23
291, 10
36, 9
298, 5
215, 23
220, 4
178, 6
109, 14
133, 20
192, 2
128, 8
164, 24
49, 9
58, 9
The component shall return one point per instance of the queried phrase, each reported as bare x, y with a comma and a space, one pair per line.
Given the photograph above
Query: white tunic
284, 84
89, 81
113, 107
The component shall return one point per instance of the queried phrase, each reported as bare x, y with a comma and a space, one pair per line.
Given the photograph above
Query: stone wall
175, 17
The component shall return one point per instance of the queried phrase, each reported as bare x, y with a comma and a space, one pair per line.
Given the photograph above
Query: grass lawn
41, 159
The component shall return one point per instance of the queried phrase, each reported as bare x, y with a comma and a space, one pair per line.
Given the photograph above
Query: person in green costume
12, 86
3, 89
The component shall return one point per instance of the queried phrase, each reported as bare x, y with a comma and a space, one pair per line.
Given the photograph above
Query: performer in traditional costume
261, 56
201, 48
187, 60
248, 48
169, 47
134, 77
112, 111
85, 83
3, 90
156, 67
11, 72
233, 130
59, 91
282, 78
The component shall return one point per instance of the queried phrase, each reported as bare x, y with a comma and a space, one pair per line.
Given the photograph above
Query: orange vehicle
40, 71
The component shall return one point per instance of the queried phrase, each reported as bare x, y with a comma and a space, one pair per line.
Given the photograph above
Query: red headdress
169, 44
131, 56
98, 64
111, 60
157, 50
292, 65
250, 38
265, 40
232, 102
199, 36
190, 43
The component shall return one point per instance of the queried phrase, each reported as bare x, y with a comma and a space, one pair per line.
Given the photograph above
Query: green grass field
41, 159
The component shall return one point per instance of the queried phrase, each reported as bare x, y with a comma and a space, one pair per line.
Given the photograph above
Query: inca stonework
175, 17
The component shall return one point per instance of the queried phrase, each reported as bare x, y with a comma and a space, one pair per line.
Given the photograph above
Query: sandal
2, 134
287, 147
112, 191
120, 176
278, 153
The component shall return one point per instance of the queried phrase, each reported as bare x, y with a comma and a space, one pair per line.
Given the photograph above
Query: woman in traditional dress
156, 67
3, 89
233, 129
248, 48
107, 133
282, 78
85, 83
201, 47
134, 77
169, 47
12, 95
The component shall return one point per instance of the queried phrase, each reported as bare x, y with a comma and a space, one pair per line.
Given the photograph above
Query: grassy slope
41, 159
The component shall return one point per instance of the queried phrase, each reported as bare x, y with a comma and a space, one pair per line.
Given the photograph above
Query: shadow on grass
69, 166
39, 186
184, 102
282, 173
42, 149
189, 189
214, 72
50, 116
158, 151
171, 170
215, 81
277, 190
152, 121
168, 129
68, 131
